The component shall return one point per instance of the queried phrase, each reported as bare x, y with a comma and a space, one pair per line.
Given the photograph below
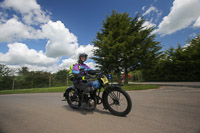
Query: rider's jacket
79, 70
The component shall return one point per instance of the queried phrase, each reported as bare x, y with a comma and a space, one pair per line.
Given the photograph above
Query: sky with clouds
49, 35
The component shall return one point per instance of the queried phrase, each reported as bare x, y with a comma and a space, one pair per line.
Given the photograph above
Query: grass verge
62, 89
139, 87
34, 90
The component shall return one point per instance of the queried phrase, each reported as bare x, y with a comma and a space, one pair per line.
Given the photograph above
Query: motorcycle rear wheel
72, 98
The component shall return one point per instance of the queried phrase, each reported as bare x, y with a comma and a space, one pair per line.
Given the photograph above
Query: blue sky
48, 35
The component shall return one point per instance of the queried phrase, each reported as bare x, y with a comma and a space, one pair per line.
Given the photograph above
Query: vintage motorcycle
113, 97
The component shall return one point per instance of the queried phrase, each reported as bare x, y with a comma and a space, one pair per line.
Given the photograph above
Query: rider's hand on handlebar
86, 77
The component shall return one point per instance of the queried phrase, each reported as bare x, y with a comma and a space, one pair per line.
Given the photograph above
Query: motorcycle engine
90, 103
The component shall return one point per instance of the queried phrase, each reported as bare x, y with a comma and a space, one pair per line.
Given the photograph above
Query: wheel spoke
112, 104
118, 95
117, 101
112, 95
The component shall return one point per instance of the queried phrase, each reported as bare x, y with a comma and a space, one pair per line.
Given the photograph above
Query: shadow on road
1, 131
85, 111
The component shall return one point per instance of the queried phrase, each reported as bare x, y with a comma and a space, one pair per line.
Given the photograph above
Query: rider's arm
76, 72
89, 70
92, 72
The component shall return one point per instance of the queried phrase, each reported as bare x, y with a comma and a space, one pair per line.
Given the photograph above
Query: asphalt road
165, 110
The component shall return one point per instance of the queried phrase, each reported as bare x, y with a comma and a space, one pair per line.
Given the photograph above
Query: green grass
34, 90
139, 87
62, 89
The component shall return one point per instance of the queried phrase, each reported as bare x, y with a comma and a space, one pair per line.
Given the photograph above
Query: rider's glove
83, 78
86, 77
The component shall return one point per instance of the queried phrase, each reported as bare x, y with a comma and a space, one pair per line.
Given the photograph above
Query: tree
4, 70
23, 71
125, 45
5, 77
60, 78
178, 64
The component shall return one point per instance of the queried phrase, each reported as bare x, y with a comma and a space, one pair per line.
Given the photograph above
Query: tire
72, 98
114, 98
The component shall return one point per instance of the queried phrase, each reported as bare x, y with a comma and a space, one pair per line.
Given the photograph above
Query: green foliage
181, 64
125, 45
23, 71
4, 70
31, 79
60, 78
5, 77
6, 82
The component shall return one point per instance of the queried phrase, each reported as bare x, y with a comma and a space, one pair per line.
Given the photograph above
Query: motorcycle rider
80, 71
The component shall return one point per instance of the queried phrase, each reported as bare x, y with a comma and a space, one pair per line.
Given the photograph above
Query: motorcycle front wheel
118, 102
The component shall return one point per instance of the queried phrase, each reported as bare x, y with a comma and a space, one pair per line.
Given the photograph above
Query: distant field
62, 89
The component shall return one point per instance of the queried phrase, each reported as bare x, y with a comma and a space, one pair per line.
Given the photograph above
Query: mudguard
72, 87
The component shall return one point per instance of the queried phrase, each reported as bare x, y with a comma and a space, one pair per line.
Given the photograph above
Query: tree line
24, 79
177, 64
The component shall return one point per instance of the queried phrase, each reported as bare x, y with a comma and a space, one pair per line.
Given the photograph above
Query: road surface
169, 109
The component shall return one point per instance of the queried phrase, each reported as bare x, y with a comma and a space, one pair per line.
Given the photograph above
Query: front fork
104, 98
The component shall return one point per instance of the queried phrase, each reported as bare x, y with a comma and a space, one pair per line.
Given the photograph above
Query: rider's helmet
82, 55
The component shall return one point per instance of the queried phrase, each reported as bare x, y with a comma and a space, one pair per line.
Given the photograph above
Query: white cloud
66, 63
92, 65
22, 6
154, 12
88, 49
61, 41
53, 68
148, 11
197, 22
19, 27
13, 30
30, 10
20, 54
182, 14
143, 8
148, 24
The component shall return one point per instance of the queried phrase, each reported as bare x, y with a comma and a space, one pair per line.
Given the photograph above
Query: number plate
104, 79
